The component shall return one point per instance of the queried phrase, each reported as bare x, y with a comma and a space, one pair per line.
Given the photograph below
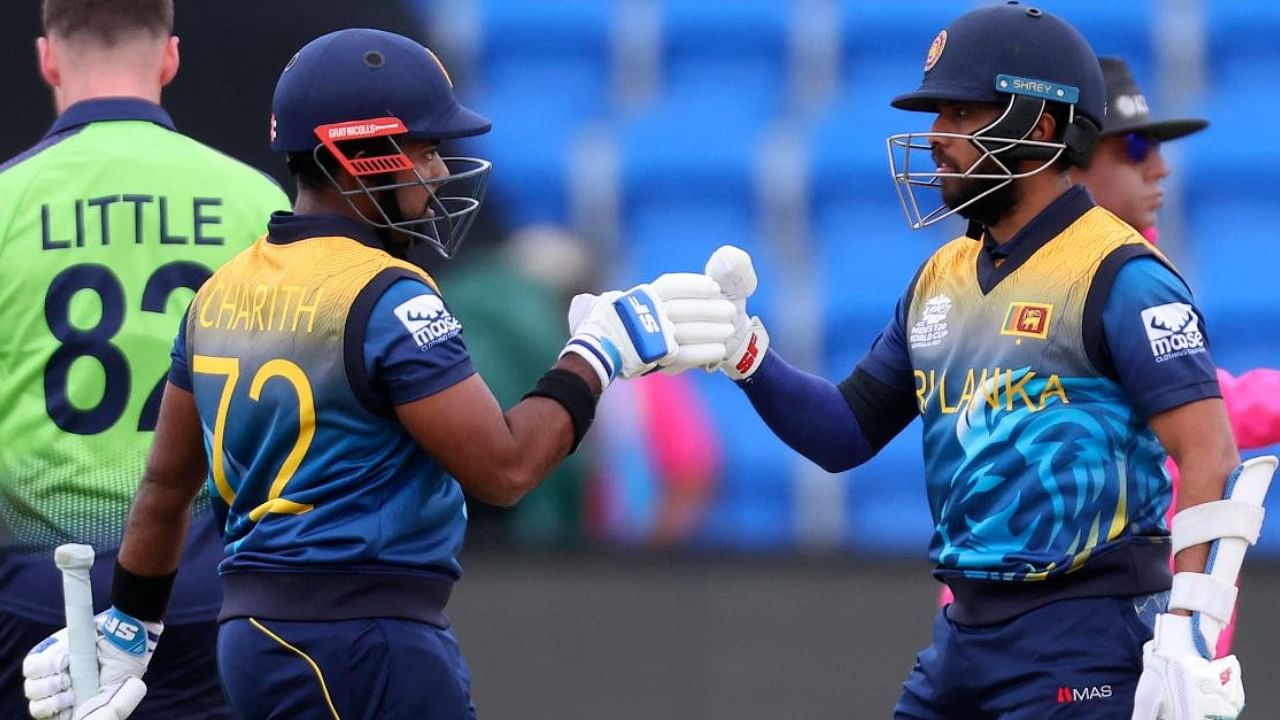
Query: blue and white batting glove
1177, 683
731, 267
678, 321
125, 646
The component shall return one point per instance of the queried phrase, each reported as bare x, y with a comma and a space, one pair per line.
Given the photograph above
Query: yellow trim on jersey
324, 687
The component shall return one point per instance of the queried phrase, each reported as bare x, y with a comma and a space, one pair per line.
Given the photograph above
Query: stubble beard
988, 209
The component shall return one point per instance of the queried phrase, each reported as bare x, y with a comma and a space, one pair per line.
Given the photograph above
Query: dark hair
305, 168
106, 21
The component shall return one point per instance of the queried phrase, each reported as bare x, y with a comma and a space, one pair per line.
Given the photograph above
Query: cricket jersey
1036, 365
297, 352
110, 223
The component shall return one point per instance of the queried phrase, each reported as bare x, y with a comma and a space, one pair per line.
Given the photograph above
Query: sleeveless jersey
1035, 459
109, 226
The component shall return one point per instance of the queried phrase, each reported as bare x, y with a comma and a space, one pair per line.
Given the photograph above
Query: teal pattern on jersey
1033, 492
1036, 461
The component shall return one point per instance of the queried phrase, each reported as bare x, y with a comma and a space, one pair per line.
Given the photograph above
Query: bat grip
82, 634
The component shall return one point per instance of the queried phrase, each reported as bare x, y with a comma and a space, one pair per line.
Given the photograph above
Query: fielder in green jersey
107, 227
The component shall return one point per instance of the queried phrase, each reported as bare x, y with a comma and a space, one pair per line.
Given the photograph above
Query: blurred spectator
658, 463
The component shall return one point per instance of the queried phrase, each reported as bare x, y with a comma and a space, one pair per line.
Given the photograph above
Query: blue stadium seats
560, 46
754, 505
679, 236
695, 142
688, 164
1229, 207
888, 510
867, 257
742, 44
1115, 28
530, 146
1242, 43
543, 73
865, 253
889, 40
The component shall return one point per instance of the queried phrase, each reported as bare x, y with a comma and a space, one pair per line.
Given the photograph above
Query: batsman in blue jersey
1055, 358
322, 385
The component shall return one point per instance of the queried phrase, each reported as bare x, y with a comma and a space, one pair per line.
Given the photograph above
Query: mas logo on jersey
1027, 320
1173, 329
931, 328
1081, 694
427, 320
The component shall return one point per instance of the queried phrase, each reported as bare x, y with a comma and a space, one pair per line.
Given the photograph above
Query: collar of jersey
1044, 227
115, 108
285, 228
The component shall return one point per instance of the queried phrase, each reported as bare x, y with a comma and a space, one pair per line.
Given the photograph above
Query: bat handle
75, 562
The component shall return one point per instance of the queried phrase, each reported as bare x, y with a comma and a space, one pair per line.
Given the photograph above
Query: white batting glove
1177, 683
678, 321
125, 646
731, 267
701, 317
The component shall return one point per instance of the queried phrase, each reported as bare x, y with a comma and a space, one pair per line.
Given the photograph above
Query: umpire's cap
358, 74
1127, 110
1008, 40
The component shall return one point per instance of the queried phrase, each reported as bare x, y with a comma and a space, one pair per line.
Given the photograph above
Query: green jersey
107, 228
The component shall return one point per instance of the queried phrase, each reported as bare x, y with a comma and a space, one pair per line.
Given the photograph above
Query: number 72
229, 368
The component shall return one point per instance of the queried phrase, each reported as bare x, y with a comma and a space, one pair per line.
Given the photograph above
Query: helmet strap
1081, 139
1015, 123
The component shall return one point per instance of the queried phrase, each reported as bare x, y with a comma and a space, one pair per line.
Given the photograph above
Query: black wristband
574, 395
144, 597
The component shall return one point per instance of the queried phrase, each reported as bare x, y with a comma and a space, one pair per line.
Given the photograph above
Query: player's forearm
1198, 438
175, 472
1204, 479
808, 413
156, 529
539, 432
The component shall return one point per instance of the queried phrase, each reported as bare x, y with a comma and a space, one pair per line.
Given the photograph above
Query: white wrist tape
1230, 526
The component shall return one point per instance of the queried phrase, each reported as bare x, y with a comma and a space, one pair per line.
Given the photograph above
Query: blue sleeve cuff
408, 389
1170, 399
180, 377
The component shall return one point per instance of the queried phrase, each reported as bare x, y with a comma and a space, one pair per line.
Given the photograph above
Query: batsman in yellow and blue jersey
322, 385
1054, 357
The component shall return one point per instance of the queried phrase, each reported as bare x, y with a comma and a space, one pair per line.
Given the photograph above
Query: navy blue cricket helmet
1017, 56
361, 84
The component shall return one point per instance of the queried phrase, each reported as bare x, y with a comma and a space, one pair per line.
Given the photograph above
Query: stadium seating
738, 45
541, 74
690, 167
